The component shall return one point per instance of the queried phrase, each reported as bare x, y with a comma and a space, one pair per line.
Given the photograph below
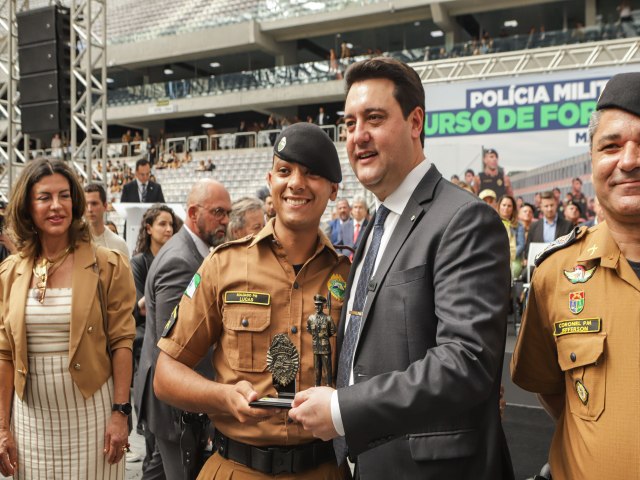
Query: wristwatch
123, 408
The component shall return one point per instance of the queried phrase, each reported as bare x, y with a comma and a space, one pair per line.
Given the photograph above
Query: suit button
77, 366
295, 285
572, 357
294, 329
245, 322
90, 329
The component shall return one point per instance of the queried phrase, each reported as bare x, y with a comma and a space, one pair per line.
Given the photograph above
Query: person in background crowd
519, 203
419, 383
489, 197
537, 211
509, 214
269, 208
152, 152
578, 197
158, 225
469, 178
66, 330
572, 213
578, 346
247, 218
288, 262
96, 200
359, 212
598, 216
111, 226
551, 226
492, 177
526, 217
455, 179
208, 209
142, 189
201, 167
210, 165
342, 227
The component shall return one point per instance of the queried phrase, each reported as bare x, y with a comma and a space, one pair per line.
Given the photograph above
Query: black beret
622, 92
309, 145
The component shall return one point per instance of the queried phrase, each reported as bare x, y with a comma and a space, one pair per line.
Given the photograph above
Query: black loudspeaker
45, 117
44, 57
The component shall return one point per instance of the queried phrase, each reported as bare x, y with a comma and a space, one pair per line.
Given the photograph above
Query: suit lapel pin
413, 217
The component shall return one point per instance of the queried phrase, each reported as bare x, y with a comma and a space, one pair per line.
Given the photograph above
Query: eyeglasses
219, 213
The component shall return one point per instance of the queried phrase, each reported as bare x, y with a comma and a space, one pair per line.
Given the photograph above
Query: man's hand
116, 438
312, 408
237, 401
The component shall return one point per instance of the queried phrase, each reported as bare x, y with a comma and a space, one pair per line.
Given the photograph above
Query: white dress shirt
396, 203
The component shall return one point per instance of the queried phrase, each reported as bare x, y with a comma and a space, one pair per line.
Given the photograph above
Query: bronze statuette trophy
321, 327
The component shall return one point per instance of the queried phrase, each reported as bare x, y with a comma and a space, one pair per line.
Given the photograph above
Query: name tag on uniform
253, 298
585, 325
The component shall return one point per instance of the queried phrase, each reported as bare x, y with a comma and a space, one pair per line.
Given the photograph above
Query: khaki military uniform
244, 294
581, 338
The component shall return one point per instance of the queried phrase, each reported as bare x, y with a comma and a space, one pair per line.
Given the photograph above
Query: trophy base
272, 402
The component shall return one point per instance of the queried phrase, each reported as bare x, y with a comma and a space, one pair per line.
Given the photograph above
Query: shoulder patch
560, 243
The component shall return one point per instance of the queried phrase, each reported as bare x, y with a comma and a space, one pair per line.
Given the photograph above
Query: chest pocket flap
579, 350
245, 339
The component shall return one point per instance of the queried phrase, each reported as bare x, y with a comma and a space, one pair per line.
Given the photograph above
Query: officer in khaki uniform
245, 293
579, 346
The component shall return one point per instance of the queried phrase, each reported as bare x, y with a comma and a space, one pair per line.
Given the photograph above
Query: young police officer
579, 345
247, 294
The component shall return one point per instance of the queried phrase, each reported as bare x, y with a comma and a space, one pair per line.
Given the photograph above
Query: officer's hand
237, 401
312, 408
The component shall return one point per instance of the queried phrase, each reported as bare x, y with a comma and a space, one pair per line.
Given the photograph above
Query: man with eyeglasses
205, 226
248, 293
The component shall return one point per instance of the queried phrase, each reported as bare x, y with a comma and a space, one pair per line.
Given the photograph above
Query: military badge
193, 285
337, 286
282, 144
576, 302
580, 274
283, 360
171, 322
499, 182
583, 393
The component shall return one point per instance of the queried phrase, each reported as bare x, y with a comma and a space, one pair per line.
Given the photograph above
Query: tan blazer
89, 362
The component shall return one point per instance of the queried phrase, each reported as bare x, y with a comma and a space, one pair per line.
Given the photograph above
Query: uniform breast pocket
582, 357
245, 339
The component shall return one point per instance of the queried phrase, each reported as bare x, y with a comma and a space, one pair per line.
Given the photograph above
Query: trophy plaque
283, 362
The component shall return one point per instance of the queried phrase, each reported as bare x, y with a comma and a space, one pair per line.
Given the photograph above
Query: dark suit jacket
536, 231
169, 275
130, 193
428, 362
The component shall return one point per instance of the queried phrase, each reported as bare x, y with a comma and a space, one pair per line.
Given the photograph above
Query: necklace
44, 268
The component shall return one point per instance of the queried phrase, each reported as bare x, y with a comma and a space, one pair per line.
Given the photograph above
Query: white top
396, 203
112, 241
48, 323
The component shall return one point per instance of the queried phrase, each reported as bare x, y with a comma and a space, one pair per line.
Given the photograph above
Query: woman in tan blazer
66, 332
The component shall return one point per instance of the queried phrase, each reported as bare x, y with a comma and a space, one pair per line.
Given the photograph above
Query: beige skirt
59, 434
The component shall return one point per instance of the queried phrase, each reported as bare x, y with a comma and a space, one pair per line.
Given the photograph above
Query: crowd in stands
548, 217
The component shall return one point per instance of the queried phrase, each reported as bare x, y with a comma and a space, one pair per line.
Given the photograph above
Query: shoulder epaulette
229, 243
560, 243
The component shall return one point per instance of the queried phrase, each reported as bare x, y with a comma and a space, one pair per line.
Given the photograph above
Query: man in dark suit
359, 214
550, 226
142, 190
208, 206
342, 227
420, 357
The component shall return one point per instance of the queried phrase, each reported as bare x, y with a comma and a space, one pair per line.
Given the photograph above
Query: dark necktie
143, 196
355, 317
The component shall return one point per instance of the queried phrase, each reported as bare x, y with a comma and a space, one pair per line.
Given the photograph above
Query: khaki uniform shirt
254, 271
581, 338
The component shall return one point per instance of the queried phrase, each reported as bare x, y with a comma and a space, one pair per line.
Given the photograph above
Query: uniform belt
275, 460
